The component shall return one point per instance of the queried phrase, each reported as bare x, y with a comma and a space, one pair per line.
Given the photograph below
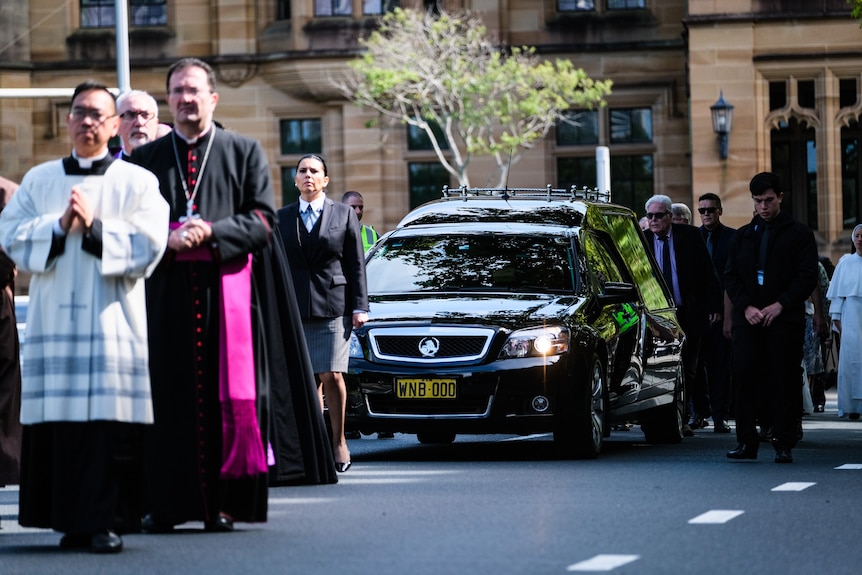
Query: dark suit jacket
698, 281
329, 271
722, 236
790, 273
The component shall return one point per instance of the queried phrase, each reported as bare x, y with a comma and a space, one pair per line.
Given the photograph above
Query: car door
619, 318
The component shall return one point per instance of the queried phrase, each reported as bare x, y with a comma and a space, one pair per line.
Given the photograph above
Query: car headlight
355, 346
538, 341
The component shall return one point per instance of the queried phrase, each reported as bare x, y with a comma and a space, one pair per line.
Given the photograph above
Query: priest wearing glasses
89, 229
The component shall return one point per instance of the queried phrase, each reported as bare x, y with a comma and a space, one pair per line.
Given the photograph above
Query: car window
600, 263
629, 241
490, 261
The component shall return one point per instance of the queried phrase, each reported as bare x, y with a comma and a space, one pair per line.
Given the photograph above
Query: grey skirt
328, 343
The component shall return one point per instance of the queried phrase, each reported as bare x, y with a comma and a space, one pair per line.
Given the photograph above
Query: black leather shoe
687, 431
74, 541
783, 455
106, 542
342, 467
223, 524
765, 434
721, 427
743, 451
150, 524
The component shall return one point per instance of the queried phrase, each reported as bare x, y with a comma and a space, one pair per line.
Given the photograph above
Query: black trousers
694, 323
766, 375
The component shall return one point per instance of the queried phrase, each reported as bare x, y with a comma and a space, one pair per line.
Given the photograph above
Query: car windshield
472, 262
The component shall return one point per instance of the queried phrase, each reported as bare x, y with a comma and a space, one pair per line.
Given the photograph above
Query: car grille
381, 405
429, 345
450, 346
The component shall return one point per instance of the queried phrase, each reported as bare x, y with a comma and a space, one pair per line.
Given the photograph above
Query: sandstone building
791, 69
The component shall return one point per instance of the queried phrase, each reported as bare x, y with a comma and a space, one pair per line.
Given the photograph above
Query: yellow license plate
410, 388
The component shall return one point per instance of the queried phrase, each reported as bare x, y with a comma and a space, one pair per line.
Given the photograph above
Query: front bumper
504, 396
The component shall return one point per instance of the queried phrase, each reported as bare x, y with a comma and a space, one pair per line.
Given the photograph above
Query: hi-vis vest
369, 237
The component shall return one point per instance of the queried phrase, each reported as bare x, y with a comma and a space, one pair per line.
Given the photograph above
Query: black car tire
579, 422
665, 424
435, 437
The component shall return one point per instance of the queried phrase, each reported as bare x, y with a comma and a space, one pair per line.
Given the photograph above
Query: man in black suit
716, 348
771, 270
691, 279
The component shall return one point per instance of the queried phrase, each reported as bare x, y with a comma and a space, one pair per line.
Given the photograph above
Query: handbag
830, 378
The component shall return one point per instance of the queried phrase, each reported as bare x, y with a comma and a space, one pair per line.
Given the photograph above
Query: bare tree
441, 71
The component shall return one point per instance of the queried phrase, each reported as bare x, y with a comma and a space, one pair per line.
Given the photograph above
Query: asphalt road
504, 505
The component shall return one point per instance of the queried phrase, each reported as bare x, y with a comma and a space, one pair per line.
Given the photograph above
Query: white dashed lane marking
603, 563
793, 486
850, 466
716, 516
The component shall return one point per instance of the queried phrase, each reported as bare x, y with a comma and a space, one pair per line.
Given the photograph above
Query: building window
578, 172
805, 93
426, 181
417, 138
794, 160
289, 192
282, 10
626, 4
777, 95
631, 126
576, 5
580, 128
632, 180
851, 175
333, 7
300, 136
631, 174
848, 92
101, 13
373, 7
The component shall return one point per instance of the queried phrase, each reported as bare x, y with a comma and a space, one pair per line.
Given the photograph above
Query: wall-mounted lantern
722, 122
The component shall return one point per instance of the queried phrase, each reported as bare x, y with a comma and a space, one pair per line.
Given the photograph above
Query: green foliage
856, 11
425, 70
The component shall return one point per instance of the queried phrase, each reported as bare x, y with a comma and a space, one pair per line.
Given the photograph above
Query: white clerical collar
192, 141
87, 163
316, 205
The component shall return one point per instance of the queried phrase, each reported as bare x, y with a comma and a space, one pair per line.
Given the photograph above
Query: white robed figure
89, 229
86, 351
845, 295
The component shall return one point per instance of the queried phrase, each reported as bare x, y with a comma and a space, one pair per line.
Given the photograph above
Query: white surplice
845, 295
85, 355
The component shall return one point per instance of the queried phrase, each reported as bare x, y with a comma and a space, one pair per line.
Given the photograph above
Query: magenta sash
242, 447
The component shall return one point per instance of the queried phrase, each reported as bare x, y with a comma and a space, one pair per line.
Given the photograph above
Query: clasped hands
765, 316
79, 213
193, 233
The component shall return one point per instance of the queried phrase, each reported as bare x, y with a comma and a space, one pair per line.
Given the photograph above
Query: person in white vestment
89, 229
845, 308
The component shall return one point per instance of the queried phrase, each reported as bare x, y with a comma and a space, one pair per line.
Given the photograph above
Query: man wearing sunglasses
716, 347
691, 279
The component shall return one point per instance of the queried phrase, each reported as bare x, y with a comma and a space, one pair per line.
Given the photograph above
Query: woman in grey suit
324, 249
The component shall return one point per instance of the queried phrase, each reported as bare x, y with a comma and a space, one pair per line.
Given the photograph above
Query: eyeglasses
193, 92
653, 215
98, 116
707, 210
132, 115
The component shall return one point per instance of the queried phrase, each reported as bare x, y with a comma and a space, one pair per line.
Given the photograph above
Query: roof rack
548, 192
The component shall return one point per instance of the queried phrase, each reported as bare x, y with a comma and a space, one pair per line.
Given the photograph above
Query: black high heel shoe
342, 467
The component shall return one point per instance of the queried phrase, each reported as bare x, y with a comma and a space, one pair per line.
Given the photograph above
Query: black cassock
184, 447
